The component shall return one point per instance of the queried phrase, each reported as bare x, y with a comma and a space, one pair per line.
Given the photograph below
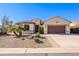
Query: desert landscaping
9, 41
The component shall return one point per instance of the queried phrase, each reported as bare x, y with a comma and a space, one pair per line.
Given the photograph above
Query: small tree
17, 30
5, 23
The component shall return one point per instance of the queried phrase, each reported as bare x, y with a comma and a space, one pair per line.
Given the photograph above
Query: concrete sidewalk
38, 51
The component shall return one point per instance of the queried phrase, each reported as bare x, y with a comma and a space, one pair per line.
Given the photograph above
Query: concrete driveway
69, 41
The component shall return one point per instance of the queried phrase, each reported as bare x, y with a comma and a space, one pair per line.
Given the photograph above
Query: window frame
26, 27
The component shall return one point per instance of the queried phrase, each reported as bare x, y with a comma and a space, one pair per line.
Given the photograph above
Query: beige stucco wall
67, 29
57, 21
32, 27
45, 29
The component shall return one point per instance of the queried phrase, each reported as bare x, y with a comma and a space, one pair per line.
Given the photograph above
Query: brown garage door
56, 29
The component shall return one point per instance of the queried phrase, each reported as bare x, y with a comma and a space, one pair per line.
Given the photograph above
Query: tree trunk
15, 33
20, 33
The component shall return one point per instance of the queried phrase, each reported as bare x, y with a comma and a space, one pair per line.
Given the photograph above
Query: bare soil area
13, 42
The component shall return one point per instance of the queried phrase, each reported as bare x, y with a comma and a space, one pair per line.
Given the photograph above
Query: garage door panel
56, 29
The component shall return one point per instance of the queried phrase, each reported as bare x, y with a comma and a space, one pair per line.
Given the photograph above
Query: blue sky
27, 11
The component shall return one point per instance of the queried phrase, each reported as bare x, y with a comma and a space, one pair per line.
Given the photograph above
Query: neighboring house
53, 25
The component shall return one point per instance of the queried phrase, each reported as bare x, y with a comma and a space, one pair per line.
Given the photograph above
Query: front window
26, 27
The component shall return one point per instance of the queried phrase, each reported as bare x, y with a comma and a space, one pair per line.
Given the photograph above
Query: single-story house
57, 25
53, 25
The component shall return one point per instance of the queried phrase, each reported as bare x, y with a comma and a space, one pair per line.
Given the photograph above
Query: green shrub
37, 38
41, 29
37, 34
